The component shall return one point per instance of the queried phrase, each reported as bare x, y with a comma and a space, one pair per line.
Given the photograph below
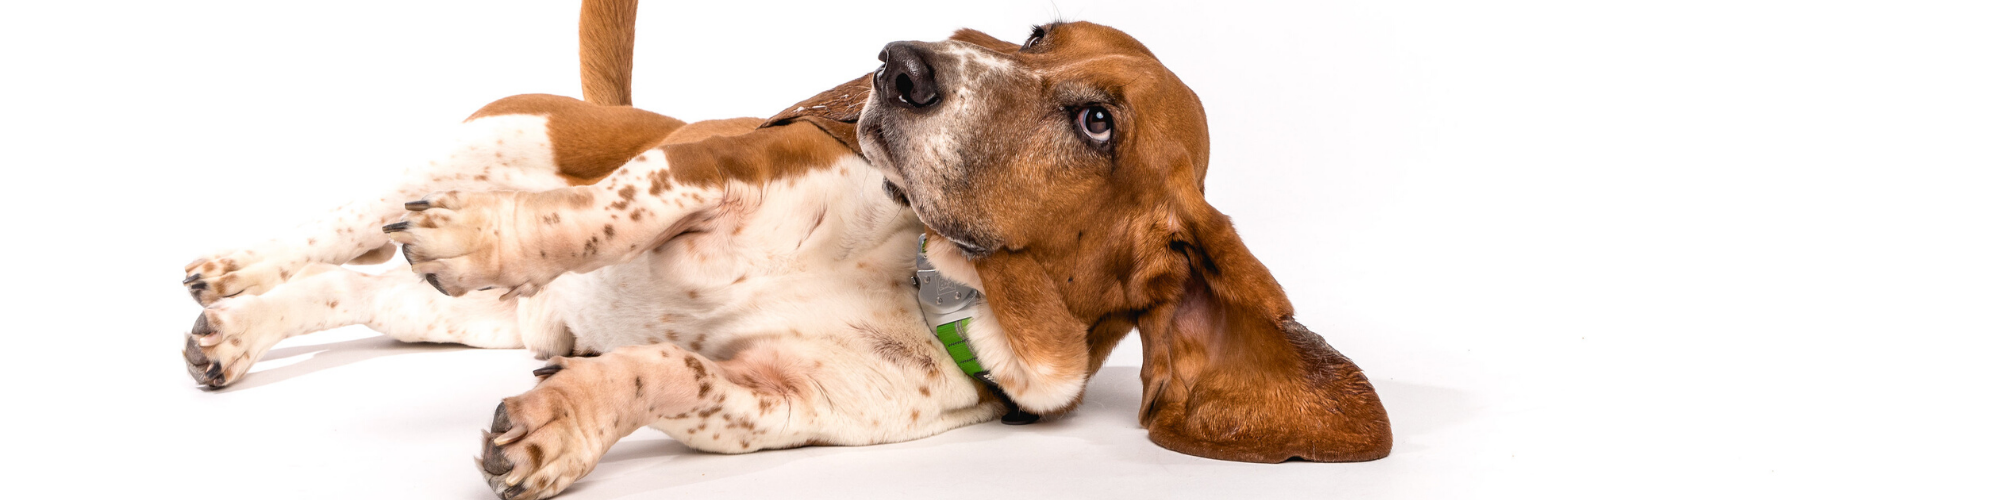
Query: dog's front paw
464, 241
540, 442
239, 272
222, 346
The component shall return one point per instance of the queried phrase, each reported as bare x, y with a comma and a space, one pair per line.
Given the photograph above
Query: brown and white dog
746, 284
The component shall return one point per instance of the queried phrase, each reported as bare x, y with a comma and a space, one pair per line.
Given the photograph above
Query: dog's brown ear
1229, 375
841, 104
834, 111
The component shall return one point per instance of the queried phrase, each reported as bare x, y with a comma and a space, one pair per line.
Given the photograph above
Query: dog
751, 284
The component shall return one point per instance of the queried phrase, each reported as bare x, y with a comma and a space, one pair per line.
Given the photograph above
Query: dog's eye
1034, 38
1095, 123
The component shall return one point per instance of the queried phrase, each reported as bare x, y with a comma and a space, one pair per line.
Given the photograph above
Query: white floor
1743, 249
346, 414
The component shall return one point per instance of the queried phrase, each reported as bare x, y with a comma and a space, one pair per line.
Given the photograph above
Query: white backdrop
1585, 249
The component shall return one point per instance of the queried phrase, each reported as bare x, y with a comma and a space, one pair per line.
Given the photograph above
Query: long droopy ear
1229, 375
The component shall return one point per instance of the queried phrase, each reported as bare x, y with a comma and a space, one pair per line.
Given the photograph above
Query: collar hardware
948, 307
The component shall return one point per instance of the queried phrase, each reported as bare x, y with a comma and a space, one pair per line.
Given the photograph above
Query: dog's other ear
834, 111
1229, 375
840, 104
980, 38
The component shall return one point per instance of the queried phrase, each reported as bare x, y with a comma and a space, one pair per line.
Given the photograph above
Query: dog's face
1069, 170
976, 131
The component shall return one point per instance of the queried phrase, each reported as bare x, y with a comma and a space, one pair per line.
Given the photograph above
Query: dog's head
1068, 169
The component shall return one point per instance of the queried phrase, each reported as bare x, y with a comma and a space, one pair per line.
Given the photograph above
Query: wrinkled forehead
1066, 44
1083, 62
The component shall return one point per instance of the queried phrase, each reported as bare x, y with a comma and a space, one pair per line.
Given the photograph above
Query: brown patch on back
698, 131
756, 157
589, 141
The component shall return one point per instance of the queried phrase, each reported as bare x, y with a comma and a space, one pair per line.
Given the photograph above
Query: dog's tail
605, 30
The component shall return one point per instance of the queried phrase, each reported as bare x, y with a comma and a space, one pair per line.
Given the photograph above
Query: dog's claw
201, 326
547, 371
432, 278
192, 353
192, 278
493, 461
212, 378
399, 226
417, 206
500, 421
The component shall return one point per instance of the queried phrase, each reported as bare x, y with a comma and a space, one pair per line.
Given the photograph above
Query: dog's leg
465, 241
506, 152
545, 439
233, 333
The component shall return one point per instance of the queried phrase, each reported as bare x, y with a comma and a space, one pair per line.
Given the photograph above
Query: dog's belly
813, 260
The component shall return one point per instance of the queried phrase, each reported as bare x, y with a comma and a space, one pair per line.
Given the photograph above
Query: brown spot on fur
589, 141
704, 388
694, 365
660, 182
624, 197
534, 456
924, 390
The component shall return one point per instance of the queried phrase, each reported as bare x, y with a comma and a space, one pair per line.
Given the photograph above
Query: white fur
805, 276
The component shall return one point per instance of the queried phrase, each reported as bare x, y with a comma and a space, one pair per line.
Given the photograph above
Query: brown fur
756, 157
697, 131
1228, 373
590, 141
606, 29
841, 104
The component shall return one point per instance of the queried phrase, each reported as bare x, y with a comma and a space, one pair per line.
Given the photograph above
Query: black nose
906, 75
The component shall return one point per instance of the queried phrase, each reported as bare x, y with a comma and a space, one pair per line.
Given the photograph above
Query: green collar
948, 306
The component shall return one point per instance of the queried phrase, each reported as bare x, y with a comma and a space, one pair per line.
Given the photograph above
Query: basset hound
961, 236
